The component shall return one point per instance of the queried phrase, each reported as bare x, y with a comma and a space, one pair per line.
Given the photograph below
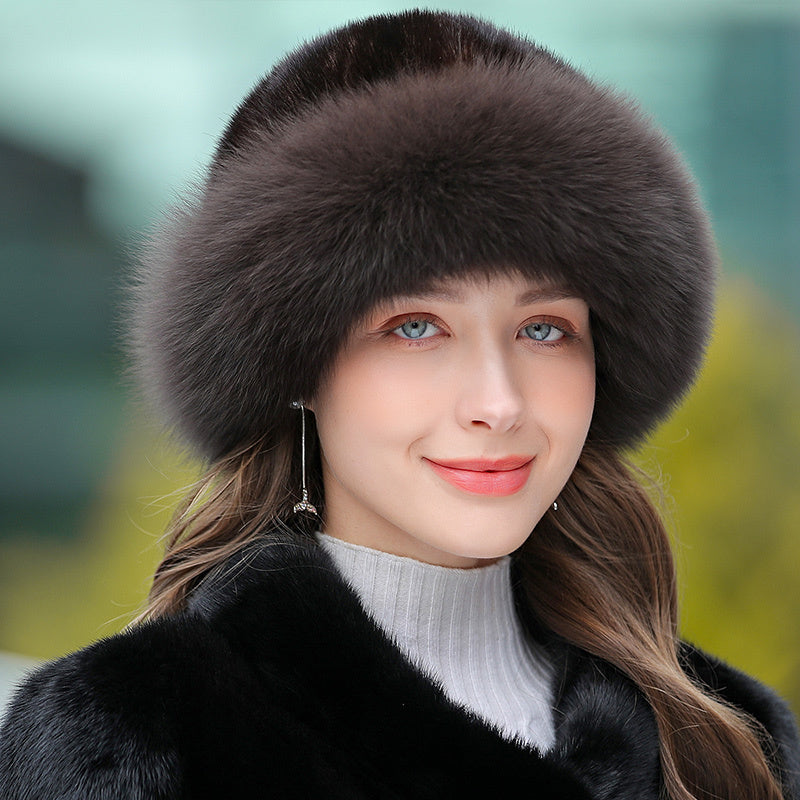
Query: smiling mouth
495, 478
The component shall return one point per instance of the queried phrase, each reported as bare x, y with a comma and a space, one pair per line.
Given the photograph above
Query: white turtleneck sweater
460, 627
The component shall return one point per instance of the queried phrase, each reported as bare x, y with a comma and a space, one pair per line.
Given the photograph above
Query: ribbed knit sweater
460, 627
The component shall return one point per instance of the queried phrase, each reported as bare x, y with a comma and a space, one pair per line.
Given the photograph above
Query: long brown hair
599, 573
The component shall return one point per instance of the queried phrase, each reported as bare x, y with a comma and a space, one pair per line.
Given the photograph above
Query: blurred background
110, 110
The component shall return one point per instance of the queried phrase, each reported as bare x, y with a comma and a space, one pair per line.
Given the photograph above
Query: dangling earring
555, 505
304, 504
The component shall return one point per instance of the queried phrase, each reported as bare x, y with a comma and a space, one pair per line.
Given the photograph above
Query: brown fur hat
391, 153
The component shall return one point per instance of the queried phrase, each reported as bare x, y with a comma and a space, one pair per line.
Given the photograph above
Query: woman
435, 284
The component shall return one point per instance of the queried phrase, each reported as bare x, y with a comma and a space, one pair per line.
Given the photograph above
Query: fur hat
397, 151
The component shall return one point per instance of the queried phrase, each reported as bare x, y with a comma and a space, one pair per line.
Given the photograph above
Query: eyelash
567, 331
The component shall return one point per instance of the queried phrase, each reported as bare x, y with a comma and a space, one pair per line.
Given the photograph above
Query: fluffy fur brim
250, 292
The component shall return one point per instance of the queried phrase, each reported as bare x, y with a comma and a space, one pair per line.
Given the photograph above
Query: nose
490, 395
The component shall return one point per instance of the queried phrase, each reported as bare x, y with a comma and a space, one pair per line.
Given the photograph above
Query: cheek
371, 403
565, 401
373, 391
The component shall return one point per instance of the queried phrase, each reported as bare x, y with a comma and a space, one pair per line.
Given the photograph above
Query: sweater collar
461, 628
415, 600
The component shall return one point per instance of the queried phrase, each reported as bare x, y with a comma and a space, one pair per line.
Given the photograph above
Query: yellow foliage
730, 458
56, 596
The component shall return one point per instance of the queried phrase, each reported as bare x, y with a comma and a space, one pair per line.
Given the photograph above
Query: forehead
457, 289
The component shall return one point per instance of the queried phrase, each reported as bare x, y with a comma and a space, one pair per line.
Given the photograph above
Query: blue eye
543, 332
416, 329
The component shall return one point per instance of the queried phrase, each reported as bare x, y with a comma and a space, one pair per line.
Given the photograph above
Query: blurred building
58, 402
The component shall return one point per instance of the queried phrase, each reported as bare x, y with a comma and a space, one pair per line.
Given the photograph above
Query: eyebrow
543, 295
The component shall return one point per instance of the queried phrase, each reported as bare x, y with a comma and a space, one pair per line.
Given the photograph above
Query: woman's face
453, 419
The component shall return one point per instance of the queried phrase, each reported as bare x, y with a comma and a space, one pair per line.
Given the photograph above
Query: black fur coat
276, 684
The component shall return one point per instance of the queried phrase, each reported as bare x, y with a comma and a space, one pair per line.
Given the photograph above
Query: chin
486, 543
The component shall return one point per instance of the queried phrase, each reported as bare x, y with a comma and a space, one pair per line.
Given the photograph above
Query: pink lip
495, 477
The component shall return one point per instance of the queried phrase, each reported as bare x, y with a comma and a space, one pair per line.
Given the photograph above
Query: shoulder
220, 694
754, 698
103, 722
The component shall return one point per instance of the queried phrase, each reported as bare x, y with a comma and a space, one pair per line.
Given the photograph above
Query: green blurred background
109, 110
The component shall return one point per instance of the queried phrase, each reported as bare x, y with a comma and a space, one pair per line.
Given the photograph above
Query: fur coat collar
274, 682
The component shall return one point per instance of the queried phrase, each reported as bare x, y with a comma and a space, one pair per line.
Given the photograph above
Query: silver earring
304, 504
555, 505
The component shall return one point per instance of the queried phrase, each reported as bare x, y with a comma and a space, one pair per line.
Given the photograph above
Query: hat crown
375, 49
